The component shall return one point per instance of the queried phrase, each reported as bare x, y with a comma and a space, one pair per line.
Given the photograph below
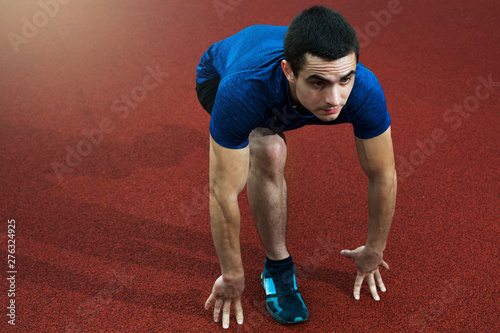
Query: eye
346, 80
318, 84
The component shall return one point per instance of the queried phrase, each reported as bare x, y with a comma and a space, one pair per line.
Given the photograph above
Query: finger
384, 264
239, 311
373, 287
378, 278
346, 253
211, 300
218, 305
225, 313
357, 285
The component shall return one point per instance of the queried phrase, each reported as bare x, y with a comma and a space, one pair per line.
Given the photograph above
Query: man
255, 86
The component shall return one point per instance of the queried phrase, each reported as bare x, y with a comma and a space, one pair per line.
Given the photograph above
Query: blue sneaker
283, 300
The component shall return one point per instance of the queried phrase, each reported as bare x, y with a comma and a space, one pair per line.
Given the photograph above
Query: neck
293, 94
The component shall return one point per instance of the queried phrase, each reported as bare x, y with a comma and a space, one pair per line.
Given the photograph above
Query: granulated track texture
104, 168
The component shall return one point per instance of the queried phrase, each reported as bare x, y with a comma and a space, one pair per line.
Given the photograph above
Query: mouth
331, 111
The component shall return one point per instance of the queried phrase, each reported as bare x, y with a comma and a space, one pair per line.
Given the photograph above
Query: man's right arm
228, 176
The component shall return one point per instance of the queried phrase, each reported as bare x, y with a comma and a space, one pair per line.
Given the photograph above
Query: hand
224, 293
367, 265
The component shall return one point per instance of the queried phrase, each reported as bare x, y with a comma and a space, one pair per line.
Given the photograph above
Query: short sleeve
237, 112
367, 106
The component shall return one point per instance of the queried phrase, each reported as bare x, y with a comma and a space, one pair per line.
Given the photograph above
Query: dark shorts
207, 91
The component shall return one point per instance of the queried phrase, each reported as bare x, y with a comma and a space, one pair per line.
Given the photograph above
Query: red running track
110, 199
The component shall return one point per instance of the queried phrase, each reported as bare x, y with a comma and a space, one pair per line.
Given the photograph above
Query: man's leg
267, 192
267, 195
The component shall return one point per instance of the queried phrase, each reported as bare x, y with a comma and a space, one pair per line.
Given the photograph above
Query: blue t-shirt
253, 90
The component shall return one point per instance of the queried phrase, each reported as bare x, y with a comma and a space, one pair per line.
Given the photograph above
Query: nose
332, 96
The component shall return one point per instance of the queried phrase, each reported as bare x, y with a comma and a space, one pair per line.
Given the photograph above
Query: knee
268, 157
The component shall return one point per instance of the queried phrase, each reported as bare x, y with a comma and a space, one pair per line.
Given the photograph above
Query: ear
287, 69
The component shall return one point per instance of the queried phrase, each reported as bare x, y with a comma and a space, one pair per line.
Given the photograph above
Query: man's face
323, 86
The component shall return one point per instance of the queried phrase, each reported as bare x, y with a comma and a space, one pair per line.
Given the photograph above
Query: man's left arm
376, 157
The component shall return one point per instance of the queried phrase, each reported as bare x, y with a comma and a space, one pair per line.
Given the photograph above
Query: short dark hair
322, 32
